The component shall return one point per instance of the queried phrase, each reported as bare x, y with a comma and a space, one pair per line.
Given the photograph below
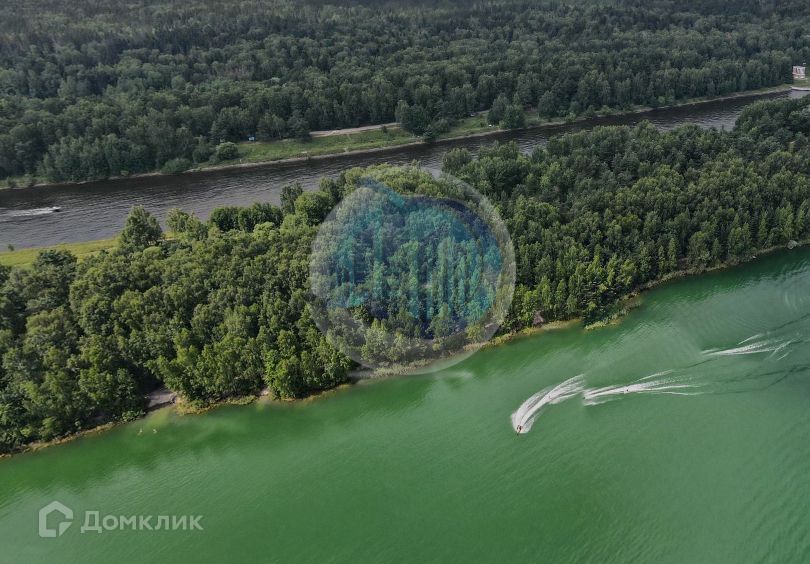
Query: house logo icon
64, 523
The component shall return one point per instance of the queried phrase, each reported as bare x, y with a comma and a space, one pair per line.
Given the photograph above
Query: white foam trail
28, 213
37, 211
749, 339
753, 348
652, 384
656, 375
596, 396
780, 348
523, 418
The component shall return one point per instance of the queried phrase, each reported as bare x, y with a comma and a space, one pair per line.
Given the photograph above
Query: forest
408, 276
91, 89
221, 308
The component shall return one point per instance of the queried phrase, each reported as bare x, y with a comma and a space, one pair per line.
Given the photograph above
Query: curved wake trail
711, 375
523, 418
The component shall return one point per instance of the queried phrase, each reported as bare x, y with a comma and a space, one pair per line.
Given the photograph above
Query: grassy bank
259, 152
25, 257
291, 150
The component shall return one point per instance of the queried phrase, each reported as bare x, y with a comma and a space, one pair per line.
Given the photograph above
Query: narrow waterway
697, 450
97, 210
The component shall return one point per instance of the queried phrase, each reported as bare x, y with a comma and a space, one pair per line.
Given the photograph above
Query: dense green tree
513, 117
226, 151
498, 110
185, 224
140, 231
297, 126
413, 118
548, 105
289, 194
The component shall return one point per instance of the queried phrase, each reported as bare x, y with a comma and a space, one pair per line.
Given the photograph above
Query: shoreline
625, 305
417, 141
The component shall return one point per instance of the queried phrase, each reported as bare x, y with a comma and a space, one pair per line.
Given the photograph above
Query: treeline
91, 89
221, 309
595, 215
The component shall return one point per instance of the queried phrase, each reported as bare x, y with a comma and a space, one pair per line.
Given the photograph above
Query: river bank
97, 210
25, 257
624, 306
381, 138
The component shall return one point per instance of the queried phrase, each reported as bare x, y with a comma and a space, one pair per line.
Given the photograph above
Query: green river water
688, 442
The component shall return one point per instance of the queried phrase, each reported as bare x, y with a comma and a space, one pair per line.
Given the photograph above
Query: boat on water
12, 213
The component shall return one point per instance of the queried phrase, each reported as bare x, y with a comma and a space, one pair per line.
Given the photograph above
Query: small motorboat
55, 209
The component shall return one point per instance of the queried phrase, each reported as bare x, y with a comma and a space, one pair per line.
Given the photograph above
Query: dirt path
161, 397
350, 130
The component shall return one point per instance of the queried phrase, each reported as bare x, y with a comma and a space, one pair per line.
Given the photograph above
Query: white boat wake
28, 213
652, 384
715, 377
523, 418
759, 347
